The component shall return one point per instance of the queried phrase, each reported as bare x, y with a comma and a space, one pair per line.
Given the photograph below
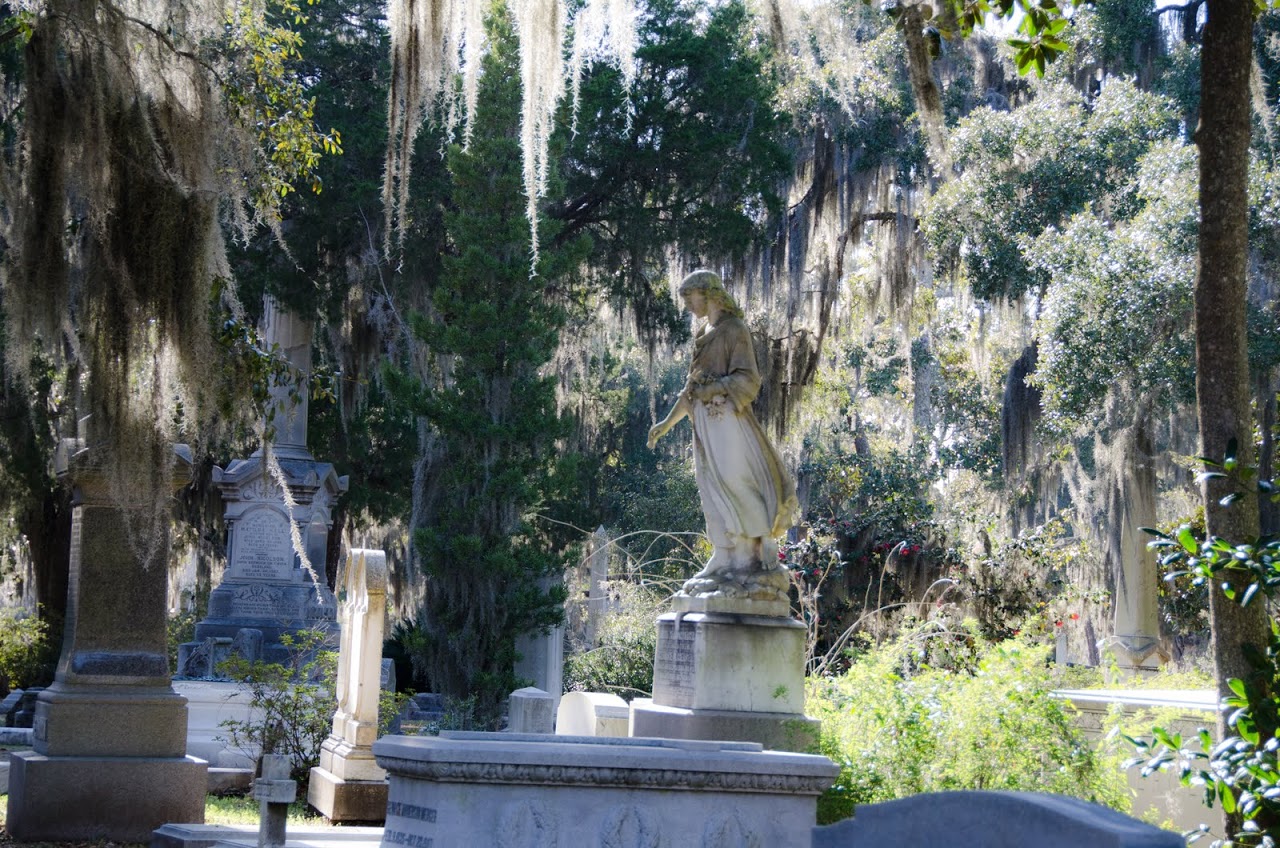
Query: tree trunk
1222, 364
925, 88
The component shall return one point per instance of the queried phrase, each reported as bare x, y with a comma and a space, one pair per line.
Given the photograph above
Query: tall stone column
288, 412
109, 758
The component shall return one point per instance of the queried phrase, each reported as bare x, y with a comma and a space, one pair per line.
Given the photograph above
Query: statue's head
708, 282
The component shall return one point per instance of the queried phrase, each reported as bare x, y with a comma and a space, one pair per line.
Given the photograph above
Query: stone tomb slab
728, 661
503, 790
968, 819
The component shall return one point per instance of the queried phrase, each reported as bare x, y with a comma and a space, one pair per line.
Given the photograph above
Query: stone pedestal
725, 674
110, 734
348, 785
266, 591
502, 790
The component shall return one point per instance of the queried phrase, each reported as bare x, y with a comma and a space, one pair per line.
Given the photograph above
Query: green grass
239, 809
224, 809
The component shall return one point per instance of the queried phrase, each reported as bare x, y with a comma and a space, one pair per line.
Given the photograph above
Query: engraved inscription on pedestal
260, 546
673, 664
257, 601
399, 837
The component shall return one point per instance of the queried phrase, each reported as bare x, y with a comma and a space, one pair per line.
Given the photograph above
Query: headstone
503, 790
542, 659
266, 586
24, 714
992, 820
348, 785
592, 714
597, 585
9, 706
274, 792
110, 734
387, 679
531, 710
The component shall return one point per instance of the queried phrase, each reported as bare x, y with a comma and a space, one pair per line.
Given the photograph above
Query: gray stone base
124, 799
775, 731
246, 836
341, 800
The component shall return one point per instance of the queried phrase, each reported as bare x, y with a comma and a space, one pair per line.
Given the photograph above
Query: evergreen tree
491, 413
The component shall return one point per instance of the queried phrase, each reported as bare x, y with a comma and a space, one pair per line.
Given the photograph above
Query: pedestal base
62, 799
80, 720
775, 731
341, 800
729, 661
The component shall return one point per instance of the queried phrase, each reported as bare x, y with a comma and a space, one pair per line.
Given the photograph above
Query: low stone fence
1179, 711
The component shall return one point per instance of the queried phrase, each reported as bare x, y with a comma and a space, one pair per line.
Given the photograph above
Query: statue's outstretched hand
679, 411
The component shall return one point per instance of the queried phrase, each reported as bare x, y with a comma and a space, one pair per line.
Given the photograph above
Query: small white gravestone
531, 710
348, 785
592, 714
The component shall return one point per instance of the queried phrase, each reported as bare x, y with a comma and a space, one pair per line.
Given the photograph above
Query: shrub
291, 705
898, 725
622, 663
26, 653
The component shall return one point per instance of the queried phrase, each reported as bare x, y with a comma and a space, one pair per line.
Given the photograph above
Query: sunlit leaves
267, 94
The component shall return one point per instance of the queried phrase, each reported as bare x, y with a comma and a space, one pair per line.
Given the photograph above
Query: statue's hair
708, 282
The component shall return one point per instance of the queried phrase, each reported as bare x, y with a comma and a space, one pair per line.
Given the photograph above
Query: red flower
1074, 616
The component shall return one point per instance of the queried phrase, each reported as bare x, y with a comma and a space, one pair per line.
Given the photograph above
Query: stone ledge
777, 732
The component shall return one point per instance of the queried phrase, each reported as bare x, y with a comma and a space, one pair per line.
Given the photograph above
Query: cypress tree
491, 413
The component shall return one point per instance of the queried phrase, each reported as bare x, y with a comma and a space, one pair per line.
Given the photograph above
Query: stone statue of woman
747, 495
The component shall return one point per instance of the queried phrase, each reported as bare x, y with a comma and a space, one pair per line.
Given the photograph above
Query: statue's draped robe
744, 487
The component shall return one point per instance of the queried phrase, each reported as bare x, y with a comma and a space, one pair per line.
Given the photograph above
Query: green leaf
1187, 539
1248, 594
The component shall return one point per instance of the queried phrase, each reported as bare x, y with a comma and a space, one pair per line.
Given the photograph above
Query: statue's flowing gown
744, 487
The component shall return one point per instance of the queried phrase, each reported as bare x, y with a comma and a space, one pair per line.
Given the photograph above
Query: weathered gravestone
531, 710
349, 785
265, 589
992, 820
110, 734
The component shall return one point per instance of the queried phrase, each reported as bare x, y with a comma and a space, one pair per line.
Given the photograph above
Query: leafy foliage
291, 704
1242, 771
690, 156
939, 709
622, 662
27, 654
1030, 168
